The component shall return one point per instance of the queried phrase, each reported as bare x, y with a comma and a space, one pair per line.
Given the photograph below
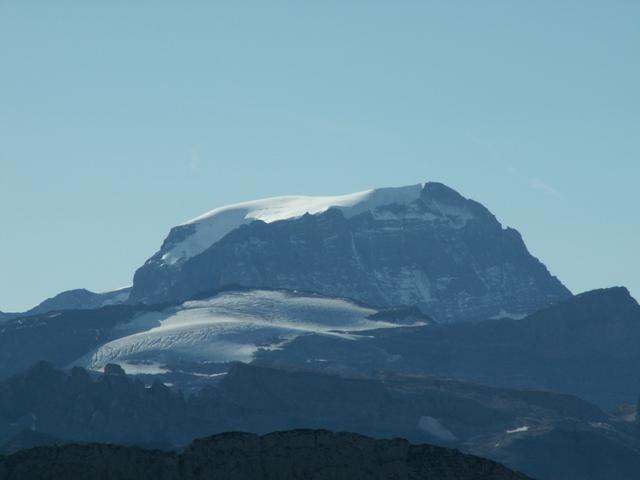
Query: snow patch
208, 375
524, 428
505, 314
432, 426
140, 368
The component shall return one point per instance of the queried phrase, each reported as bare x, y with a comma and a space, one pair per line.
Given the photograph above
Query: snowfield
230, 326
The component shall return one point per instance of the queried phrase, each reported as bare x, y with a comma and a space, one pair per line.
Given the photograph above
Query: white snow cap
212, 226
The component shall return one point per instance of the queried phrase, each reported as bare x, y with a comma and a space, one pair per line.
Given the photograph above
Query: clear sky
121, 119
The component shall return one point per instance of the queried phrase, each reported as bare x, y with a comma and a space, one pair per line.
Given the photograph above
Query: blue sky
121, 119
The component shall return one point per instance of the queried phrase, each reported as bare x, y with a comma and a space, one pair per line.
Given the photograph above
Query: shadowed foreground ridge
296, 454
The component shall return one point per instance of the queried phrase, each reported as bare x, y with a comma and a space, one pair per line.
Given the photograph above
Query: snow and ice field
227, 327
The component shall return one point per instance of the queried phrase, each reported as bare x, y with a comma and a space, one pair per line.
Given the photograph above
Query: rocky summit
423, 245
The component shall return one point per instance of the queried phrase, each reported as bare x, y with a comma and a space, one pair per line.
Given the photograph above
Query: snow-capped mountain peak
418, 245
207, 229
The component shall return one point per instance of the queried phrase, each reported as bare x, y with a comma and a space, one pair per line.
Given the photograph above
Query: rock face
73, 405
439, 251
307, 454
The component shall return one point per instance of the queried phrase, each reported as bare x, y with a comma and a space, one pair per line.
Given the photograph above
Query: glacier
230, 326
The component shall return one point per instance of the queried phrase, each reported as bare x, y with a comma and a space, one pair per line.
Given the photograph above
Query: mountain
421, 245
77, 299
572, 347
527, 430
308, 454
80, 299
586, 345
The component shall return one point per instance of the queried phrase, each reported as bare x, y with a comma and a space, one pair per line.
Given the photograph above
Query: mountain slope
59, 337
586, 346
80, 299
77, 299
508, 425
424, 246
